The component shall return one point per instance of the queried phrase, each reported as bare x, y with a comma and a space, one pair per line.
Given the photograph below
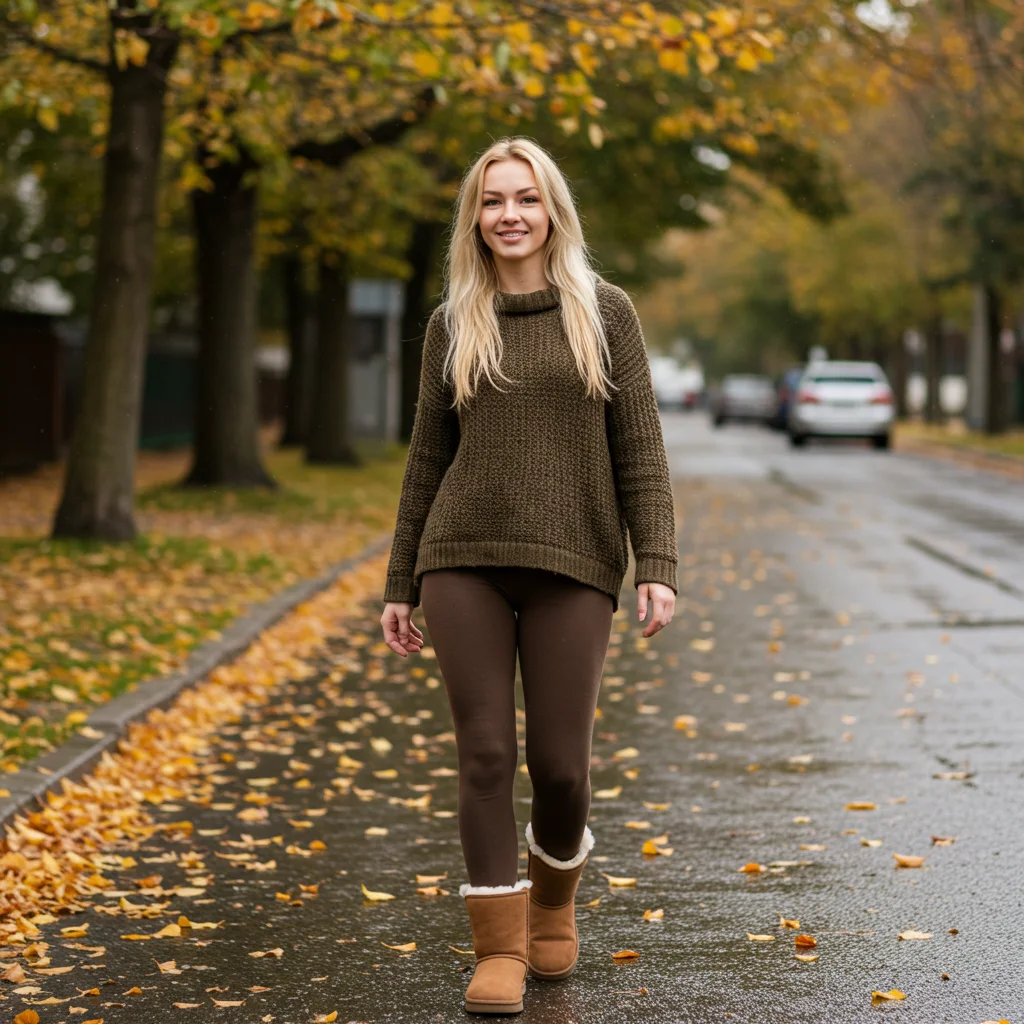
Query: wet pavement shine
849, 633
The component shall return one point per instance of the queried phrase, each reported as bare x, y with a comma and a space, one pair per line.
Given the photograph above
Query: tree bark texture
298, 385
995, 421
226, 445
934, 354
329, 440
99, 493
420, 254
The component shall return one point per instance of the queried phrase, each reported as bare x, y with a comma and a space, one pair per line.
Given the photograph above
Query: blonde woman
536, 444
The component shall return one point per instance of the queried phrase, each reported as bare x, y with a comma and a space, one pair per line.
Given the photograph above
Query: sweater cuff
401, 588
652, 569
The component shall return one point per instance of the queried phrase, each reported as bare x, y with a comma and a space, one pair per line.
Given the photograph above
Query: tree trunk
227, 448
995, 421
934, 365
297, 386
420, 254
329, 441
896, 360
99, 493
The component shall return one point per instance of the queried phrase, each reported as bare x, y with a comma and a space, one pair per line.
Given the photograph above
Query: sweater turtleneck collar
526, 302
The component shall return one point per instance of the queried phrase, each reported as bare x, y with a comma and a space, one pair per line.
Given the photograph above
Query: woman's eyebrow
491, 192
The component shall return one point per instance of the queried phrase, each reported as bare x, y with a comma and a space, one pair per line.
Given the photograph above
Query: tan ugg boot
554, 943
497, 915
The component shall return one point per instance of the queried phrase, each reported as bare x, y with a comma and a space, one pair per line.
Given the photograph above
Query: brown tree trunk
329, 440
99, 493
420, 254
934, 365
227, 448
995, 421
297, 386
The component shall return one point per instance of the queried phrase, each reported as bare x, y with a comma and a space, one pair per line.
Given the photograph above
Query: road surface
849, 631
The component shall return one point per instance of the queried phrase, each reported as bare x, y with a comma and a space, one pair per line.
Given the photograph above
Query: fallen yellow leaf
406, 947
911, 934
626, 954
860, 805
653, 915
893, 994
751, 868
760, 938
904, 860
805, 941
807, 958
376, 897
619, 882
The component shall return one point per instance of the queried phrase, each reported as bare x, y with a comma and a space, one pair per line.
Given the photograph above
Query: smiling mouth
511, 234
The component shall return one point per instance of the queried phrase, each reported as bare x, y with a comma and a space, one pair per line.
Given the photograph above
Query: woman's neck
516, 278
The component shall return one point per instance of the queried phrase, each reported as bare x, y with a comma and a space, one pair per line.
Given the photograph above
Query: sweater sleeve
435, 438
637, 449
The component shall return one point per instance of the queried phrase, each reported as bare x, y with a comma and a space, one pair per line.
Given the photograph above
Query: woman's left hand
664, 601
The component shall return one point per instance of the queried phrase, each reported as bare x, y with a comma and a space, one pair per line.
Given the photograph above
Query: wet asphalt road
850, 624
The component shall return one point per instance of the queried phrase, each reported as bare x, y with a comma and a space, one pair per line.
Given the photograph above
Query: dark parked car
785, 392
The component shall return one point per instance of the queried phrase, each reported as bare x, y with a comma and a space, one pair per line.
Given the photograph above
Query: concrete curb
72, 759
1010, 466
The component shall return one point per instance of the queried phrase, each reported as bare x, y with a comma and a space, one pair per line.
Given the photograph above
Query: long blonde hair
472, 281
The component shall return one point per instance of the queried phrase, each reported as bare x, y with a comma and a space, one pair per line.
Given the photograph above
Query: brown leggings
477, 619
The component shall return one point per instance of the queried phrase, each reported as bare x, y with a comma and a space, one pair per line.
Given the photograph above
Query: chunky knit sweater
538, 475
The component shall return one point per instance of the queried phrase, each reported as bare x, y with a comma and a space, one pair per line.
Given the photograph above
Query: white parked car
842, 399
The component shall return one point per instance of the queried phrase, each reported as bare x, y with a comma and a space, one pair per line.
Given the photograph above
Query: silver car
743, 397
842, 399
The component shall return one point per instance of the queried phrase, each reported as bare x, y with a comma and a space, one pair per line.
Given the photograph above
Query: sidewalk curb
72, 759
1011, 466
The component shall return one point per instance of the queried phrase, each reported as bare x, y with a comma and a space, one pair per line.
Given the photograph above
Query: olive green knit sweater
538, 475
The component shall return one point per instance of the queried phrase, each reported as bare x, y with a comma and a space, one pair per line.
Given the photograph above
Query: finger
641, 602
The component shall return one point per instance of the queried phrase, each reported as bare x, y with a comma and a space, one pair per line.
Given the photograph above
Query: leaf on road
788, 922
807, 958
751, 868
276, 952
608, 794
860, 805
626, 954
911, 934
893, 994
760, 938
805, 941
405, 947
27, 1017
376, 897
905, 860
654, 915
617, 881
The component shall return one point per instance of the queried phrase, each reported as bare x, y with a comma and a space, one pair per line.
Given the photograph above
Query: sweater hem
524, 554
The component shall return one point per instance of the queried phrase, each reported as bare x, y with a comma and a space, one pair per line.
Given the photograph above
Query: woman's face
513, 219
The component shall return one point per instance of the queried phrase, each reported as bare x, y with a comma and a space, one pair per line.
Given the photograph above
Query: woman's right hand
400, 632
